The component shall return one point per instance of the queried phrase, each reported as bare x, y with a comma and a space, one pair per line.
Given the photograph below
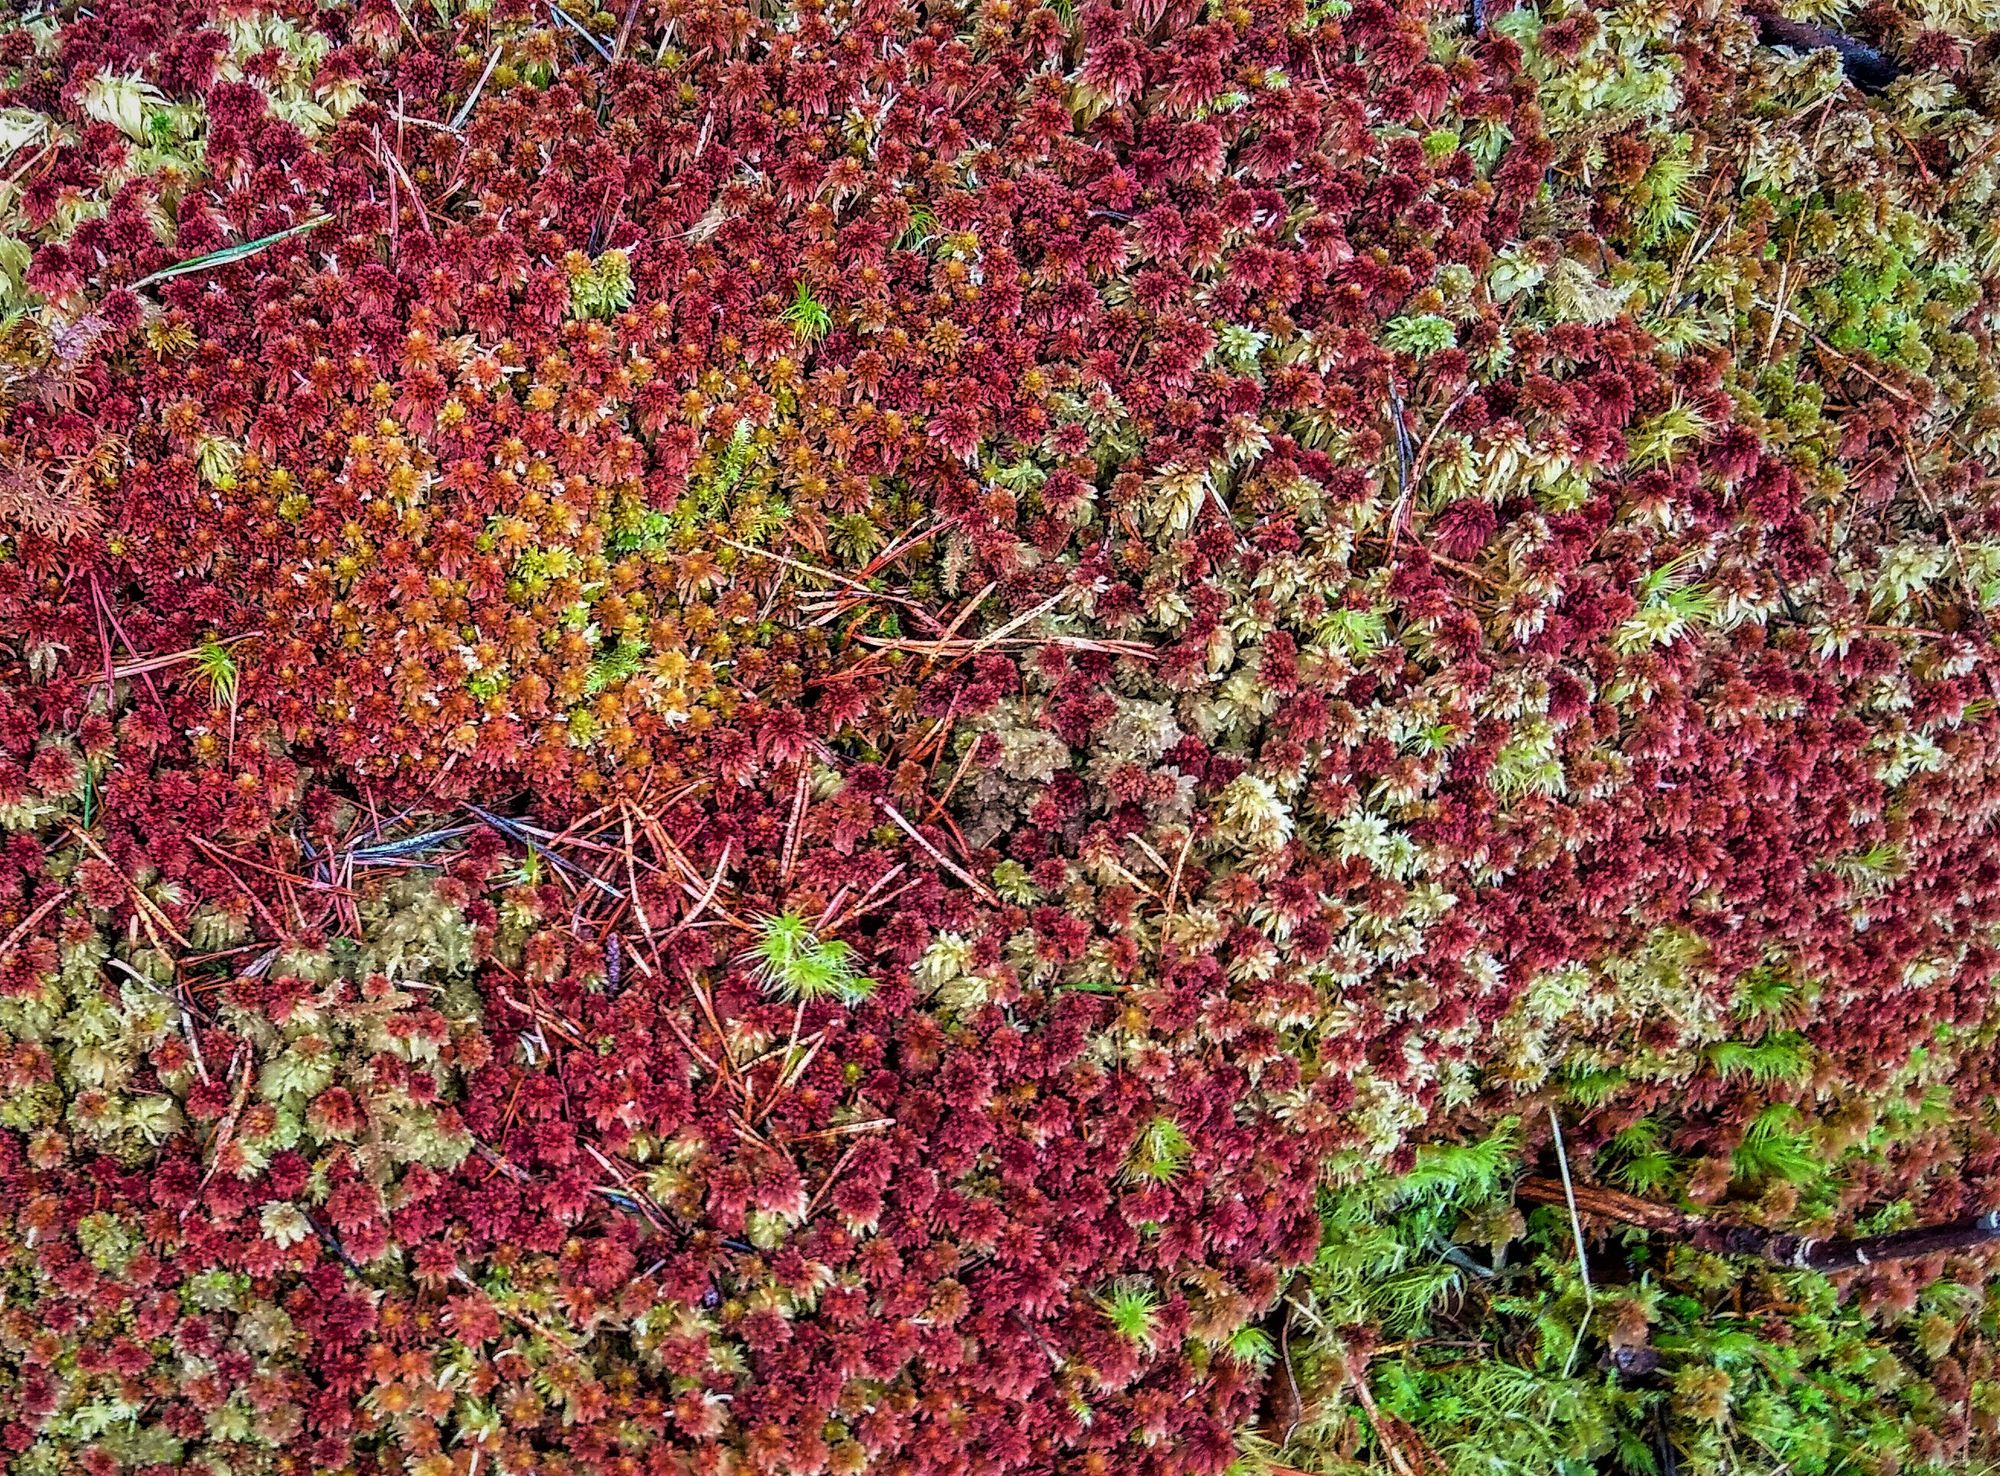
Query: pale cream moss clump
1577, 1014
116, 1028
94, 1022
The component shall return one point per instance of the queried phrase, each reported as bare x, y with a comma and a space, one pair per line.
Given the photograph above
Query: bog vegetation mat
1083, 739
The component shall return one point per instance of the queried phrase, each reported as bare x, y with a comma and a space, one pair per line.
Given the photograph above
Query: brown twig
1972, 161
27, 923
242, 887
833, 1176
706, 897
1598, 1202
1847, 360
1972, 601
183, 1007
149, 911
828, 920
624, 31
869, 1125
1777, 1247
1391, 1433
985, 892
1174, 883
917, 612
800, 798
1413, 474
225, 1131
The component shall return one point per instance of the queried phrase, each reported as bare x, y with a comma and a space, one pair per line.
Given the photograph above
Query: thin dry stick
1785, 285
180, 1005
1916, 154
827, 911
1298, 1402
694, 1050
632, 877
577, 26
1957, 548
1774, 1246
27, 923
103, 632
965, 649
880, 882
791, 563
624, 31
544, 1018
572, 834
40, 154
271, 871
1391, 1449
849, 914
1408, 492
800, 798
791, 1050
1174, 884
549, 1335
871, 1125
149, 912
790, 1073
934, 738
225, 1132
229, 255
964, 764
648, 1206
472, 98
1022, 619
222, 859
1152, 855
415, 122
985, 892
1576, 1230
395, 164
831, 1178
1828, 349
110, 613
1228, 516
1397, 412
725, 1056
500, 1164
702, 902
395, 200
528, 835
1298, 1399
1969, 169
916, 536
1465, 571
1138, 885
958, 620
776, 1051
690, 879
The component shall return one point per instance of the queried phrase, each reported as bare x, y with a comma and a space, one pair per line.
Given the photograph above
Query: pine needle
472, 98
575, 25
1576, 1230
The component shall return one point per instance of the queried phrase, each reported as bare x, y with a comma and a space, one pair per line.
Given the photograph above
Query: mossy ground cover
943, 738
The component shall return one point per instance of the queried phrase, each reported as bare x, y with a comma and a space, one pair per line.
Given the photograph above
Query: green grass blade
230, 254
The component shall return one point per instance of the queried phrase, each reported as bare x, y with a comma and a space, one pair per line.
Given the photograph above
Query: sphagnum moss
799, 740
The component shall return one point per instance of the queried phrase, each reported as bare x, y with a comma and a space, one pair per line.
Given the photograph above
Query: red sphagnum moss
750, 738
